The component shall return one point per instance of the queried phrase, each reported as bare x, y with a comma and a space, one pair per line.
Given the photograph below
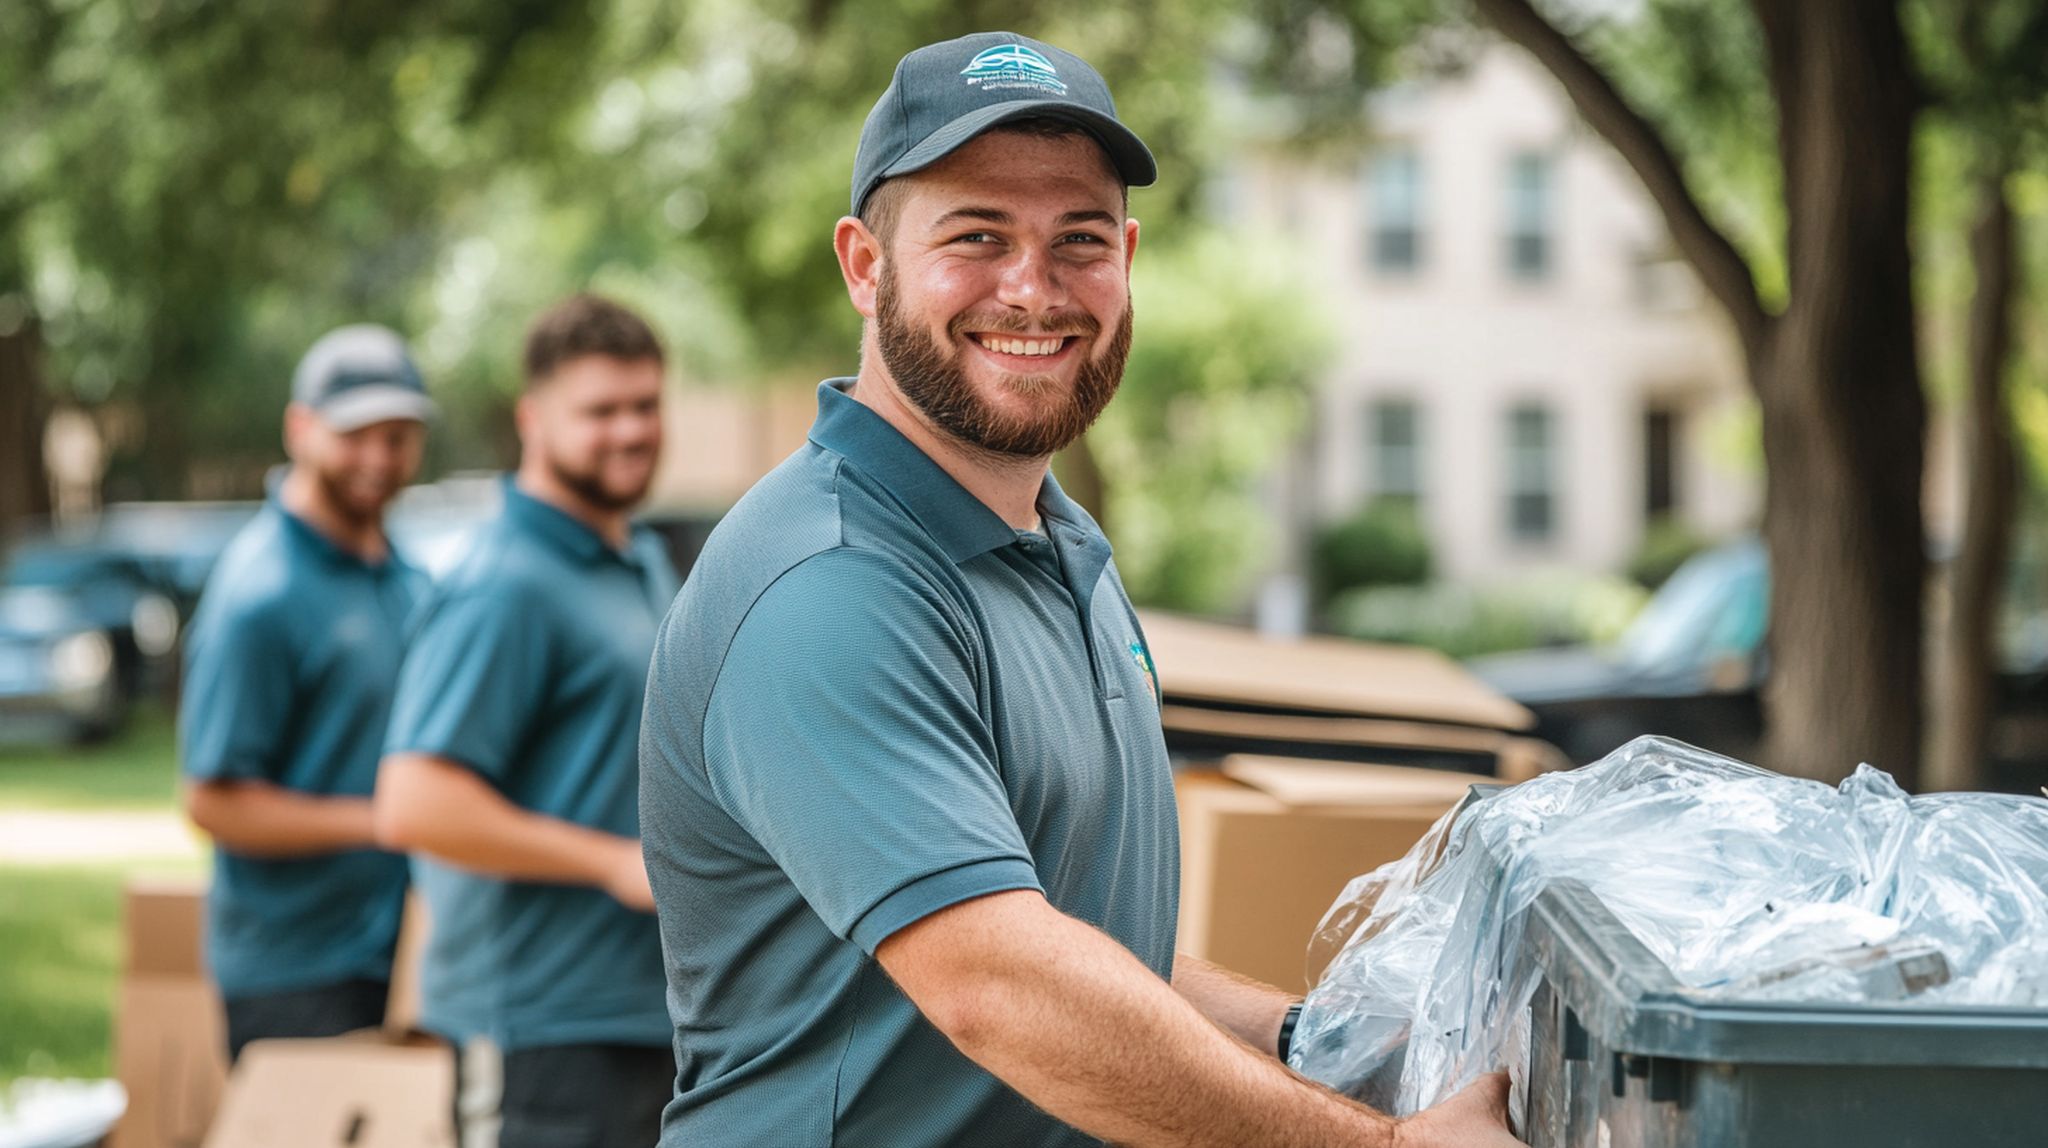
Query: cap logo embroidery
1009, 67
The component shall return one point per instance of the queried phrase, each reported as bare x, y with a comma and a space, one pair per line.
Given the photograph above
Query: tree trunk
1967, 677
24, 483
1843, 415
1836, 373
1081, 477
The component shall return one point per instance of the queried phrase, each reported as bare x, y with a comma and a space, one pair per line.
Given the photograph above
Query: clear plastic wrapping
1745, 883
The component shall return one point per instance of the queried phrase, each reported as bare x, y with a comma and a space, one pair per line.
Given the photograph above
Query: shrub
1381, 545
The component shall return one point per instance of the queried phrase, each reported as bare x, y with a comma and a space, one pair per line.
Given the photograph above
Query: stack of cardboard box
1302, 763
378, 1089
168, 1043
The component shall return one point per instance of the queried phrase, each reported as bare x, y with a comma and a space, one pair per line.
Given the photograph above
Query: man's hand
1474, 1118
627, 880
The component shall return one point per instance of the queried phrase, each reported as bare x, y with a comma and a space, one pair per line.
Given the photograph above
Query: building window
1532, 481
1394, 210
1530, 178
1660, 463
1394, 429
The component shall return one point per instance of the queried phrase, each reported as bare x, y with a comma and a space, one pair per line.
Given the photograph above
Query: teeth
1021, 346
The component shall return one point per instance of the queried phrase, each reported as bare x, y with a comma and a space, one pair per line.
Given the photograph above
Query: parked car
179, 541
85, 630
1690, 666
1693, 664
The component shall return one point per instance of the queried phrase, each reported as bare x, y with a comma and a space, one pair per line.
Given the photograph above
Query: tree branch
1720, 266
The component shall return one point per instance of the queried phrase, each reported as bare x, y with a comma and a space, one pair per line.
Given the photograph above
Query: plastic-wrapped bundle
1746, 884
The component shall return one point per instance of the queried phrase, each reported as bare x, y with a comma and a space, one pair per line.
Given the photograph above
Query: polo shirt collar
307, 538
962, 524
555, 526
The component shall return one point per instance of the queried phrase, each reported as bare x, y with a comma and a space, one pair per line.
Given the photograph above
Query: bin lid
1622, 993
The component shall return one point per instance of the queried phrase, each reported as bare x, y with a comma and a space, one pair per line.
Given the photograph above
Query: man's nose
1031, 281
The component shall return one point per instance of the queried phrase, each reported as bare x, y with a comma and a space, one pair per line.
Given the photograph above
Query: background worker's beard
590, 486
936, 383
347, 500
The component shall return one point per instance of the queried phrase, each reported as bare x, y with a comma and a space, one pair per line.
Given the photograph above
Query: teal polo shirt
528, 667
290, 665
874, 699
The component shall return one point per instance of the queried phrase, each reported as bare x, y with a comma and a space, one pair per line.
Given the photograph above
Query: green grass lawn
136, 770
60, 926
60, 947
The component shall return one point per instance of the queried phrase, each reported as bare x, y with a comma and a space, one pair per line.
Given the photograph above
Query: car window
1715, 605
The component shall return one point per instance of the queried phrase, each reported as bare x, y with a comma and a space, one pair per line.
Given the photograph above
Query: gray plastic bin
1622, 1057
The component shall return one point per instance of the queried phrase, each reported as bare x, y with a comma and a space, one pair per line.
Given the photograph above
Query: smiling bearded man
907, 807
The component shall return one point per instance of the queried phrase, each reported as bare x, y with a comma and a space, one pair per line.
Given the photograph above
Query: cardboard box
363, 1091
170, 1043
166, 920
402, 1010
169, 1047
1206, 662
1267, 845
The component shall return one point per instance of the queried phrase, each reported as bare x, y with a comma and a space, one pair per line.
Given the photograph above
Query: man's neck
537, 481
1008, 486
302, 495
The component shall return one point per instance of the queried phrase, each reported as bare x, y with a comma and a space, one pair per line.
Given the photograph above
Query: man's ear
860, 263
296, 417
1130, 243
523, 416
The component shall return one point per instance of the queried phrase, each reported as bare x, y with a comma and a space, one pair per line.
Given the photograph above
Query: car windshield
1714, 606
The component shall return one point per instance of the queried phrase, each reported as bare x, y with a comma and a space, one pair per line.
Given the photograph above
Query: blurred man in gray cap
290, 668
908, 814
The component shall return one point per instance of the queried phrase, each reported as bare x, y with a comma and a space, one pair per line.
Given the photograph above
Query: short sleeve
472, 671
844, 735
237, 707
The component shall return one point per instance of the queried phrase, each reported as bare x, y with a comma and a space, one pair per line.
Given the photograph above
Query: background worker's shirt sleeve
472, 680
845, 734
236, 712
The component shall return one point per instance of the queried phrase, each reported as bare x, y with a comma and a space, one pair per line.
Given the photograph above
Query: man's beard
936, 383
589, 485
344, 502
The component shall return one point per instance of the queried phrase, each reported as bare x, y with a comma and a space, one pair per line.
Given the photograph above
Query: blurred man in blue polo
510, 764
909, 815
290, 668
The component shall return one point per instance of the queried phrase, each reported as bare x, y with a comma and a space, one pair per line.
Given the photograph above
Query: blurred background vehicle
1693, 663
85, 631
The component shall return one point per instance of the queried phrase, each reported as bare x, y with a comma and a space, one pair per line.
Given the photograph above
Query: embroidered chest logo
1013, 66
1144, 661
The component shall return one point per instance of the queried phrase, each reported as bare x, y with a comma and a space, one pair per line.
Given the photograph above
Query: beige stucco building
1521, 353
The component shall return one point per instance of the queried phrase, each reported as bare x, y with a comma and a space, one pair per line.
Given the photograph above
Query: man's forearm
1247, 1009
441, 809
258, 819
1071, 1020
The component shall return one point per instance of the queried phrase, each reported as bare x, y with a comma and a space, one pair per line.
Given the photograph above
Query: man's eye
976, 237
1081, 237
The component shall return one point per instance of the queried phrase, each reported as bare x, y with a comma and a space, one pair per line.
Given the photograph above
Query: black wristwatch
1287, 1024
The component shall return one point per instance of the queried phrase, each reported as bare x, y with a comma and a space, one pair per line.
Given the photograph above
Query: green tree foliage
207, 186
197, 190
1216, 386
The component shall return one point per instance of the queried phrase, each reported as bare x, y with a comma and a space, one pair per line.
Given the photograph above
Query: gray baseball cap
944, 95
358, 375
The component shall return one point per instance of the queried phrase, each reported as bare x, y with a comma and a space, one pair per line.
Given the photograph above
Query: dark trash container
1622, 1057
